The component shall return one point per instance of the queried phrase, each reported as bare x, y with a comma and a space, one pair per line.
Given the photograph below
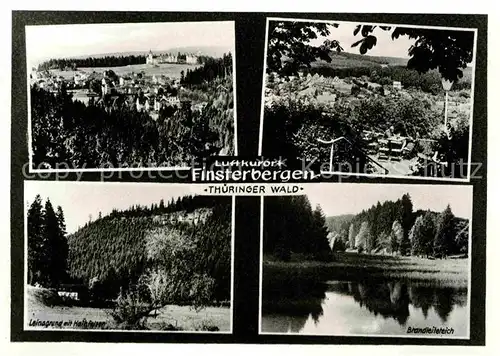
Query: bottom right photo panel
367, 260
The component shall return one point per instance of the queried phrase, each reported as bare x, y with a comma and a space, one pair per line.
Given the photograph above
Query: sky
386, 46
60, 41
349, 198
81, 199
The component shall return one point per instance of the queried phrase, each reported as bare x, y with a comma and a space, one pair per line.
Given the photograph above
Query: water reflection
362, 307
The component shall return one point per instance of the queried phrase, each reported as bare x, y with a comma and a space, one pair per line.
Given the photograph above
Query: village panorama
371, 99
149, 108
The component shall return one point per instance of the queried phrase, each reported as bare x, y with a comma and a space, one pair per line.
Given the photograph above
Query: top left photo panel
129, 96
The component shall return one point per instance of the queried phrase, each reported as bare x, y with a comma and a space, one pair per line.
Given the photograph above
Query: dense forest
91, 62
113, 61
47, 244
109, 132
143, 257
394, 227
291, 226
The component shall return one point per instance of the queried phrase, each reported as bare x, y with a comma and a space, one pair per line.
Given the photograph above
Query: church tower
150, 58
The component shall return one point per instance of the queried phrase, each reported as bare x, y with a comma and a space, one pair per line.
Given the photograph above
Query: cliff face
194, 217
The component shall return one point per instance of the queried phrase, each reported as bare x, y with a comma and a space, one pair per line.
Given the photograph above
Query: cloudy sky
59, 41
79, 200
349, 198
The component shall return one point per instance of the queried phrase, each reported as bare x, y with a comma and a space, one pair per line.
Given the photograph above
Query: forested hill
113, 252
345, 59
339, 222
393, 226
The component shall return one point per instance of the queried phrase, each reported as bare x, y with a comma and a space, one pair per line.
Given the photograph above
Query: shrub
167, 326
132, 309
206, 325
464, 94
338, 245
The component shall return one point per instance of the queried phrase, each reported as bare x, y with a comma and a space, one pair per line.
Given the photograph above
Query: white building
140, 103
190, 59
170, 58
173, 101
150, 58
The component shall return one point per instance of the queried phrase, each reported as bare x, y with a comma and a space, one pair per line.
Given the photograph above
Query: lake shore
353, 266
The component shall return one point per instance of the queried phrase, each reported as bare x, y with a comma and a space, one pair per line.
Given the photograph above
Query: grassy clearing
167, 69
353, 266
44, 305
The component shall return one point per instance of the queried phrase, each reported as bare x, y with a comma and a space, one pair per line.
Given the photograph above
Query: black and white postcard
130, 95
249, 177
125, 256
368, 98
358, 260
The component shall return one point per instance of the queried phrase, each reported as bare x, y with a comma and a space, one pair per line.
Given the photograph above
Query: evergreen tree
362, 236
60, 248
406, 223
405, 247
422, 237
396, 236
321, 247
50, 236
291, 226
352, 237
370, 240
406, 214
444, 239
415, 237
35, 241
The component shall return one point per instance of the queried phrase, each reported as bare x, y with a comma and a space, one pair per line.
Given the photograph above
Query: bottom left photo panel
127, 256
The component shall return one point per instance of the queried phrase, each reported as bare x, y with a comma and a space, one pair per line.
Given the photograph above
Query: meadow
170, 70
45, 305
354, 266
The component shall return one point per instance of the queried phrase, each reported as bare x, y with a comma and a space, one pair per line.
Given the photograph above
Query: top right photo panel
369, 99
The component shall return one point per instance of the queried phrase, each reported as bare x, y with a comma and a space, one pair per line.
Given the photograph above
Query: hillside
349, 60
376, 227
339, 222
114, 251
344, 60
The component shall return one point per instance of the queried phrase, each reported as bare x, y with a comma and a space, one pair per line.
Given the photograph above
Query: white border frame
471, 118
130, 169
407, 336
25, 271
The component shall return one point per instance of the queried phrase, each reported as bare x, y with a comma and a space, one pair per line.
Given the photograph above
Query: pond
366, 308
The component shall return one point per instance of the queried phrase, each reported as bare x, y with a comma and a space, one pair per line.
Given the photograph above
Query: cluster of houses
46, 80
146, 93
154, 101
311, 89
154, 59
